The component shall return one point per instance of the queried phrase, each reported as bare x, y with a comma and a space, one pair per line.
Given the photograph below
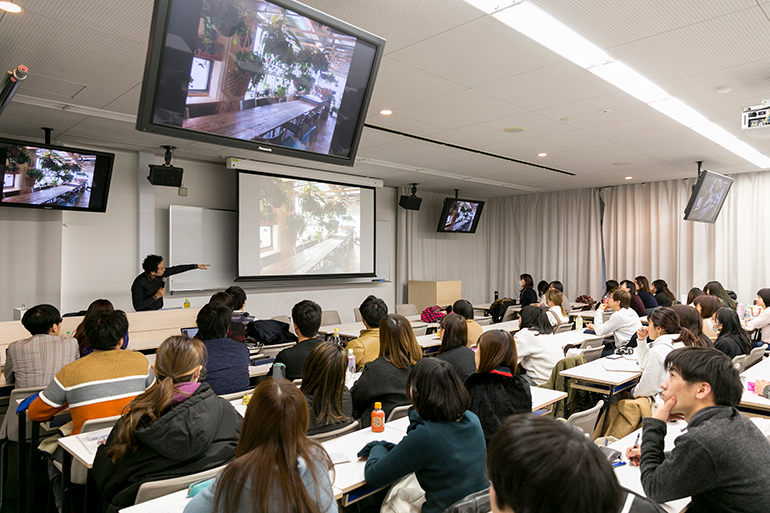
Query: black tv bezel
107, 180
444, 212
299, 277
150, 83
696, 192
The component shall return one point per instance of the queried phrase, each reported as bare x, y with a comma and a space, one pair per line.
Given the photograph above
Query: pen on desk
618, 464
636, 444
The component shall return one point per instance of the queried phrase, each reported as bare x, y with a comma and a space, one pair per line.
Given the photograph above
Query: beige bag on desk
405, 496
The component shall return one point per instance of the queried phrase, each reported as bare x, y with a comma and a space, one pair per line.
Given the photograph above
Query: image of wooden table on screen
294, 227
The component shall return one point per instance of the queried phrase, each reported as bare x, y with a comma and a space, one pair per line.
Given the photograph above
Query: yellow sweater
366, 347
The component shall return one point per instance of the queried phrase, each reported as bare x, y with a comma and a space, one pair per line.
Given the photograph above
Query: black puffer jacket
198, 434
495, 397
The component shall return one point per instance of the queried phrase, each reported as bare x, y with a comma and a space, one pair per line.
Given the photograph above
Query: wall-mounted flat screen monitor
299, 228
708, 197
274, 76
54, 177
460, 216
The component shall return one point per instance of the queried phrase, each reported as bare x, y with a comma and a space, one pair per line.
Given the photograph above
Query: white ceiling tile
405, 124
26, 120
608, 153
748, 82
460, 109
587, 113
403, 150
638, 128
371, 138
557, 84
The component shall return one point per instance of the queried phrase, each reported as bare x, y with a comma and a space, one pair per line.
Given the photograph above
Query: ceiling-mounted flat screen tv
54, 177
273, 76
460, 216
708, 197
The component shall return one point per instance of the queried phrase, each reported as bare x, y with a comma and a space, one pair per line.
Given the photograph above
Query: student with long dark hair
323, 384
178, 427
277, 467
464, 308
495, 390
383, 379
707, 306
454, 349
536, 346
444, 443
692, 294
690, 318
665, 334
644, 293
542, 288
663, 295
714, 288
100, 305
762, 321
733, 340
527, 296
635, 303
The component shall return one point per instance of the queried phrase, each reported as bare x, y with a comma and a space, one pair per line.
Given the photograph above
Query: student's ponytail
689, 339
177, 360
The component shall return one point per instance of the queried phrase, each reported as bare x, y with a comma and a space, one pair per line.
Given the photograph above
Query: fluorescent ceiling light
10, 7
546, 30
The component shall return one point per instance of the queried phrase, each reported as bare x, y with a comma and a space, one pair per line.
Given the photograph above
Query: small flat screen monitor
708, 197
54, 177
274, 76
460, 216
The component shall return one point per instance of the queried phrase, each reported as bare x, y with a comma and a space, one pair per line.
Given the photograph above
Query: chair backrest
738, 361
586, 420
593, 353
13, 422
510, 314
235, 395
398, 412
330, 318
322, 437
418, 332
97, 424
484, 321
563, 328
754, 357
155, 489
357, 314
407, 309
607, 314
272, 351
286, 319
595, 341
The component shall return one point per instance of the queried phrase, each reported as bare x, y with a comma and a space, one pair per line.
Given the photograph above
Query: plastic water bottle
336, 336
378, 418
187, 303
741, 310
351, 362
579, 322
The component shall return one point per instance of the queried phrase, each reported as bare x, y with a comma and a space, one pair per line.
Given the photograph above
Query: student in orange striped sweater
98, 385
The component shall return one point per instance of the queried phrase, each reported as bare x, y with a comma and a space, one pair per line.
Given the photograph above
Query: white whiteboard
202, 236
382, 250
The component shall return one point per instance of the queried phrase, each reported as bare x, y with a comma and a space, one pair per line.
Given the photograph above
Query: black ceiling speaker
411, 202
166, 174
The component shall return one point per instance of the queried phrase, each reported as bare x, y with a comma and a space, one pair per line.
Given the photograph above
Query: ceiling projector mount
166, 174
411, 202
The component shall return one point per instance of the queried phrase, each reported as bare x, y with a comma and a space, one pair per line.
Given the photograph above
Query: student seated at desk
227, 364
714, 288
306, 316
34, 361
323, 384
384, 379
692, 294
240, 315
367, 346
100, 305
557, 285
527, 295
707, 306
98, 385
762, 321
277, 467
465, 308
444, 444
176, 428
495, 390
690, 319
537, 347
539, 465
622, 324
645, 293
717, 459
453, 349
556, 313
733, 340
663, 295
635, 303
542, 288
235, 330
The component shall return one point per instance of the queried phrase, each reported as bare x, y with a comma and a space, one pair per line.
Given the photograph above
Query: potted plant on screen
249, 71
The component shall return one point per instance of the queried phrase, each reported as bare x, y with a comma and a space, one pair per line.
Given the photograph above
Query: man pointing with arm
148, 288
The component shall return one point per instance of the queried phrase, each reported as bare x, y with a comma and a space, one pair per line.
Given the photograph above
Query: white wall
98, 251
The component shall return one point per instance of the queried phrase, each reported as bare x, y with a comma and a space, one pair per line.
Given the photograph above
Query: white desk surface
431, 340
354, 328
484, 306
507, 326
75, 447
631, 477
595, 372
350, 475
543, 397
759, 371
171, 503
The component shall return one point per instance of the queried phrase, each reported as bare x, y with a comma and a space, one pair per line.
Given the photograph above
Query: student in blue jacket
444, 444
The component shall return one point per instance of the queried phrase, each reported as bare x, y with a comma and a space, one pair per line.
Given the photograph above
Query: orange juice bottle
378, 418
